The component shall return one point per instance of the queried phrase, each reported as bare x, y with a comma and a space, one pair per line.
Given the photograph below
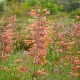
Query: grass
9, 68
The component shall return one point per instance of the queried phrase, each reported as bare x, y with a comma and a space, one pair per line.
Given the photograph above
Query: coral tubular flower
42, 71
76, 61
74, 74
22, 68
78, 67
5, 56
18, 60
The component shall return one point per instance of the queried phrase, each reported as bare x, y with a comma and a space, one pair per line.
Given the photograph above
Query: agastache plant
7, 33
39, 38
76, 57
66, 46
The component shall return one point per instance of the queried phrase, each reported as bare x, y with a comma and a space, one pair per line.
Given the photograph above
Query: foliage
75, 13
54, 6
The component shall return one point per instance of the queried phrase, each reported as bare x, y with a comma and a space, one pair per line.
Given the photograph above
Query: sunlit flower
18, 60
22, 68
40, 72
76, 61
74, 74
5, 56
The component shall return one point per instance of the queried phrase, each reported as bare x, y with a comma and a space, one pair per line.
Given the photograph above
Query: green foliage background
54, 6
